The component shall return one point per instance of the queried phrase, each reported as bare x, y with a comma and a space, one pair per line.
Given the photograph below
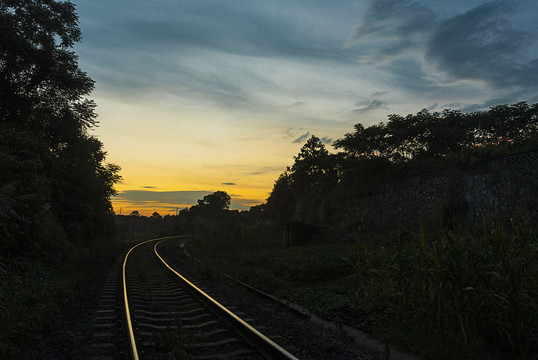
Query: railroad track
166, 314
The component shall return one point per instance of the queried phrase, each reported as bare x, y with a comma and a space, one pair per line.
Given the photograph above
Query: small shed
295, 232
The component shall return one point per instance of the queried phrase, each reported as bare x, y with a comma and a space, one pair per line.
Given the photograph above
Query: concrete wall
503, 187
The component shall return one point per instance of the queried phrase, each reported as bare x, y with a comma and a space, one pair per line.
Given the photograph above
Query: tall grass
216, 235
444, 294
480, 290
36, 290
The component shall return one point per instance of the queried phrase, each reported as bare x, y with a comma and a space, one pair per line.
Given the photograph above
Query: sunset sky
199, 96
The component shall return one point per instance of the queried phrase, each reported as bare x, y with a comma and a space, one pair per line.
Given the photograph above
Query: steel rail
132, 341
270, 346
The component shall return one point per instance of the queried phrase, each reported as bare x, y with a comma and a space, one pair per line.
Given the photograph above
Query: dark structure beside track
295, 232
504, 187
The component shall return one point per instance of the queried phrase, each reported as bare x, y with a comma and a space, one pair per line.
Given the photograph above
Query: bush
481, 289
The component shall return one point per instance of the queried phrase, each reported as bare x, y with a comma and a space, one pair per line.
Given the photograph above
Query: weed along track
167, 314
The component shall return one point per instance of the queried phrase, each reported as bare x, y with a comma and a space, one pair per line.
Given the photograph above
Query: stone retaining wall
504, 187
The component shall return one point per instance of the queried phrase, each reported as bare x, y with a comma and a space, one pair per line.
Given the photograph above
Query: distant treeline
400, 147
403, 146
211, 209
55, 185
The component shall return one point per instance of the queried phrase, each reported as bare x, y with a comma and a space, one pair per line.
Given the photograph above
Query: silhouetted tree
511, 124
401, 146
435, 135
282, 201
313, 173
211, 204
314, 168
365, 143
41, 85
52, 172
257, 212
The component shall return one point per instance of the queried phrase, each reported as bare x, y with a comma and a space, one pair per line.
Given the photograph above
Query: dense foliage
475, 290
440, 294
55, 186
402, 146
54, 183
212, 205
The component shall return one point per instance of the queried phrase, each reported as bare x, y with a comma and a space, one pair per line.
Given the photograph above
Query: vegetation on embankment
37, 291
438, 293
316, 187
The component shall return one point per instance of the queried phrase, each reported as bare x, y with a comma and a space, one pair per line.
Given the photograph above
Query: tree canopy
401, 146
313, 172
437, 135
211, 205
54, 181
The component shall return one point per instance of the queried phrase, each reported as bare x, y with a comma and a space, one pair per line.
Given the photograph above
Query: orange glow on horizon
122, 207
243, 197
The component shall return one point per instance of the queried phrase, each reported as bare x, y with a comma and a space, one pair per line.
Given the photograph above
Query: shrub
480, 288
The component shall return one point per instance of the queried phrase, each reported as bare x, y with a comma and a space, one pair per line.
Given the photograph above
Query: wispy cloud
302, 138
265, 170
165, 197
229, 184
369, 105
426, 47
391, 28
246, 203
326, 140
484, 44
297, 104
379, 93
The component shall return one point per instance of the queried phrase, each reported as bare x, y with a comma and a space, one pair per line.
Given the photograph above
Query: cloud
369, 105
485, 105
409, 74
266, 170
472, 107
165, 197
229, 184
149, 187
297, 104
246, 203
426, 46
379, 93
433, 106
390, 28
301, 138
264, 29
221, 54
148, 201
292, 133
483, 44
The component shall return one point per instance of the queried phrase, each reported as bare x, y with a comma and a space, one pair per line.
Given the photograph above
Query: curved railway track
166, 314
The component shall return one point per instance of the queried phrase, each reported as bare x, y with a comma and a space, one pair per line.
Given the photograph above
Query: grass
274, 268
35, 291
441, 294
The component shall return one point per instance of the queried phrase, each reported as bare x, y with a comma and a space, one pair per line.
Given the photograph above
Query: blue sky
195, 96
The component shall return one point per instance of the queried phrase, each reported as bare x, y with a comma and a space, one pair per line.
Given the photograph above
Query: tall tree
282, 201
314, 168
365, 143
44, 122
313, 173
212, 204
41, 85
